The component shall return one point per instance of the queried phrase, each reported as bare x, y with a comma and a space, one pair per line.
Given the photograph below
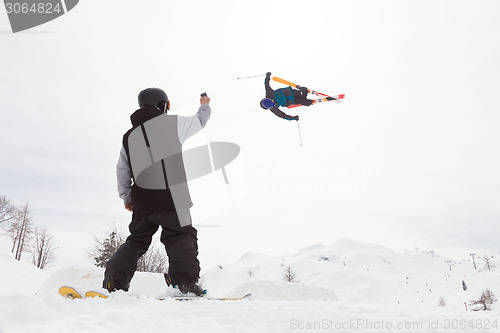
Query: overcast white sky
409, 158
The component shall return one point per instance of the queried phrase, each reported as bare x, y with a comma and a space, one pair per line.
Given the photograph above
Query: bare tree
21, 231
441, 302
7, 210
43, 249
289, 275
485, 302
153, 261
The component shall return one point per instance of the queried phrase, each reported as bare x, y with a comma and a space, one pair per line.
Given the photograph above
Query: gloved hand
295, 118
268, 73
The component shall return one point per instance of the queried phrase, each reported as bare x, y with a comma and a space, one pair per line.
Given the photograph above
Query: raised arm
269, 90
189, 126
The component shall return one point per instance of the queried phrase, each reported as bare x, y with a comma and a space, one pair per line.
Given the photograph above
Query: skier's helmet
154, 97
267, 103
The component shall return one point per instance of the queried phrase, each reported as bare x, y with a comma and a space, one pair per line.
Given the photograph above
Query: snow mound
82, 279
19, 273
85, 279
283, 291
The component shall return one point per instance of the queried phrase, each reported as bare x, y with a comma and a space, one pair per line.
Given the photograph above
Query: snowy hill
15, 273
345, 283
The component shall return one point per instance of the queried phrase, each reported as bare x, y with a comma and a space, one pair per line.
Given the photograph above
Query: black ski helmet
154, 97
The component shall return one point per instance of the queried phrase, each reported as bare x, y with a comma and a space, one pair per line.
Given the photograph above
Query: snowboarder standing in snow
148, 173
283, 97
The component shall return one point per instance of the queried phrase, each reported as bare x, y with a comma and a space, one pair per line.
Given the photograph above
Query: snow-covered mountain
347, 285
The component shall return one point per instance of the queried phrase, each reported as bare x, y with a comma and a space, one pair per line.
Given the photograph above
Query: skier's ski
325, 98
71, 293
288, 83
335, 98
199, 298
95, 294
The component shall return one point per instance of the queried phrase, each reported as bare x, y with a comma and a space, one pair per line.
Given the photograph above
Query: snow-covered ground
347, 286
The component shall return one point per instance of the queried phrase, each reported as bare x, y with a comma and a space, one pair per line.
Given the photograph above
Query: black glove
268, 74
295, 118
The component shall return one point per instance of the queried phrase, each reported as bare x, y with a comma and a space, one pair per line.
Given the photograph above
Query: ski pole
249, 77
300, 134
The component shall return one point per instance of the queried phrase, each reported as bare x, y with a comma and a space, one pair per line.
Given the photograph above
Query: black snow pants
299, 97
181, 244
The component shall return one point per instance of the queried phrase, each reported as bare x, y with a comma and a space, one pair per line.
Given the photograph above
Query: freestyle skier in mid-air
283, 97
162, 201
290, 98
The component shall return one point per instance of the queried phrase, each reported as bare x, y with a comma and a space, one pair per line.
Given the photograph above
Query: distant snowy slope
358, 272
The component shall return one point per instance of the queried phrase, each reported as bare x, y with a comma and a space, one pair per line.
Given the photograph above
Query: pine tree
289, 275
107, 248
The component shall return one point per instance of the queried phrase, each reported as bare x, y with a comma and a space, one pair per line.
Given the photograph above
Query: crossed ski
324, 98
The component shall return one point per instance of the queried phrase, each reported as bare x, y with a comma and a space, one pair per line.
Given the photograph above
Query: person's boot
110, 285
192, 288
185, 288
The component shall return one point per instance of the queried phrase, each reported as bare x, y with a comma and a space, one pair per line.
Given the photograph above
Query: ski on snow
72, 293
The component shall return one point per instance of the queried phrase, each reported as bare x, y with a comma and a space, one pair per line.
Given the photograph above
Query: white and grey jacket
186, 127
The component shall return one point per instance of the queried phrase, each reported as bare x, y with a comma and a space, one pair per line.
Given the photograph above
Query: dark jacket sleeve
280, 113
269, 90
270, 94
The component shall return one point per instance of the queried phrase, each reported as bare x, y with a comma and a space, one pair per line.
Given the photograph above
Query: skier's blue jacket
283, 96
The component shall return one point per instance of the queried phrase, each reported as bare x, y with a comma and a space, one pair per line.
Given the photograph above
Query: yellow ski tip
69, 292
95, 294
